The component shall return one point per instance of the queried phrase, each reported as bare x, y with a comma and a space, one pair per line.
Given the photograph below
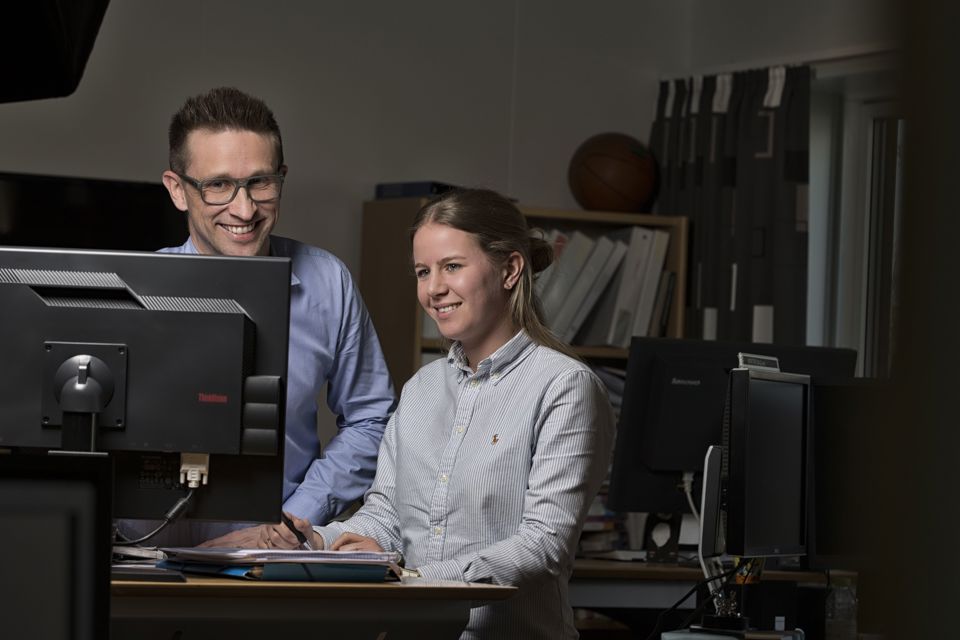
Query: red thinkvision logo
212, 398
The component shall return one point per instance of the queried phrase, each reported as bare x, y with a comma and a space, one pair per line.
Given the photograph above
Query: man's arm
377, 518
361, 395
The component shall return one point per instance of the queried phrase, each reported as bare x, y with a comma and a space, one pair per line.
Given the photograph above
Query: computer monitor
149, 357
764, 467
672, 412
55, 536
87, 213
756, 486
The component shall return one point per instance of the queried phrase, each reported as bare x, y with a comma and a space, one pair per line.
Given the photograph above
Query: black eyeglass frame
237, 184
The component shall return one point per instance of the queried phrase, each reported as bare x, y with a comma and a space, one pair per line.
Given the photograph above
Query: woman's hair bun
541, 252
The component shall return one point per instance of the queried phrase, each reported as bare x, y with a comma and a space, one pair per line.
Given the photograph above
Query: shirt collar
498, 364
189, 247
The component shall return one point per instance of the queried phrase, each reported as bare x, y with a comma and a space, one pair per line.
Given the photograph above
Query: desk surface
588, 568
414, 588
630, 585
209, 607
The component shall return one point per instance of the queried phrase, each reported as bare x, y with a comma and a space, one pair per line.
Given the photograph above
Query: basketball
613, 172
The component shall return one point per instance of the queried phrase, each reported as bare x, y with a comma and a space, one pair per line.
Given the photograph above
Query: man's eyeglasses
217, 191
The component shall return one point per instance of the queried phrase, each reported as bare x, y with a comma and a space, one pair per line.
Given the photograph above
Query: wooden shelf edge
606, 217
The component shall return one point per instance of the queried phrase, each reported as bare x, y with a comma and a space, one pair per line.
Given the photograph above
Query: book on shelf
558, 240
598, 524
600, 540
565, 272
576, 297
613, 312
634, 267
603, 528
410, 189
606, 275
597, 323
613, 379
643, 311
661, 307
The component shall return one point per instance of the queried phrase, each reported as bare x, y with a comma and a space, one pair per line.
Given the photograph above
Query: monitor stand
78, 432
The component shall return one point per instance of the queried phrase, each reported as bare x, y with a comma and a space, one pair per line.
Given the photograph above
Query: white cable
688, 491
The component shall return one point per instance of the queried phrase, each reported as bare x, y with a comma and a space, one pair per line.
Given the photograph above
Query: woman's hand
279, 536
355, 542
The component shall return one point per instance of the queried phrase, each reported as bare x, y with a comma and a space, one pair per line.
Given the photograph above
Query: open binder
282, 564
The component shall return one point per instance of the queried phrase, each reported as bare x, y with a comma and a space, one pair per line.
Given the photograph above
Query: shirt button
437, 531
474, 382
460, 429
495, 376
443, 477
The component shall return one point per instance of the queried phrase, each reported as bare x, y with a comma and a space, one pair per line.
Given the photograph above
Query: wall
739, 34
497, 93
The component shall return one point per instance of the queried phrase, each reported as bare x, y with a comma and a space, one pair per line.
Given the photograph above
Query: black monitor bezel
93, 573
736, 505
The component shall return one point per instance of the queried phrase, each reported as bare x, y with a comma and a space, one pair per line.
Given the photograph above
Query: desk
210, 608
611, 584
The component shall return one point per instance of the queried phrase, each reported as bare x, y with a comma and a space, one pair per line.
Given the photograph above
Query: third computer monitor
673, 408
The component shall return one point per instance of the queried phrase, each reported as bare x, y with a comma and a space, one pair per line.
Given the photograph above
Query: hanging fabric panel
734, 152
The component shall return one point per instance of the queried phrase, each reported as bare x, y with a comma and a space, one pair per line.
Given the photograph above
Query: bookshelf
389, 288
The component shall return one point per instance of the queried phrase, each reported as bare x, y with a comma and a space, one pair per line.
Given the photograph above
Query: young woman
494, 453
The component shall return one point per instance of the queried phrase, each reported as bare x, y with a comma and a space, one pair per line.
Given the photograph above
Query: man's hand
355, 542
279, 536
248, 538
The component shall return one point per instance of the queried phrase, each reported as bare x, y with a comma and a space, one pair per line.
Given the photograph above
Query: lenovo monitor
174, 364
673, 408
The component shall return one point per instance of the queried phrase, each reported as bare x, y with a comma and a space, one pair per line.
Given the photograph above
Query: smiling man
219, 221
226, 173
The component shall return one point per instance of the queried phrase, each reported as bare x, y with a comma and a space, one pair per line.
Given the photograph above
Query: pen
300, 537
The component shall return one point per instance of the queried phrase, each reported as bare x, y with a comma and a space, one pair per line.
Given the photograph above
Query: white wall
497, 93
740, 34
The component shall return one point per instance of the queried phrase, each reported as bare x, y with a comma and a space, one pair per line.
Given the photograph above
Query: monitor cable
172, 514
687, 485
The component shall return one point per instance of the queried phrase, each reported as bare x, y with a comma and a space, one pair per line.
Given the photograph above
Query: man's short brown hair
220, 109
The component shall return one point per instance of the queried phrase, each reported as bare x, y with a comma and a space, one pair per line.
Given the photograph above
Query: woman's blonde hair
500, 229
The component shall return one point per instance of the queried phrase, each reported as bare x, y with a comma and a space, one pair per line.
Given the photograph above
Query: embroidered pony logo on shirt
495, 439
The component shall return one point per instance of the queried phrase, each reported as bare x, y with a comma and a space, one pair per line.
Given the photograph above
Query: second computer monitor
673, 408
764, 471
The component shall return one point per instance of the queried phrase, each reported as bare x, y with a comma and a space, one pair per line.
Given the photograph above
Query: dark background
52, 211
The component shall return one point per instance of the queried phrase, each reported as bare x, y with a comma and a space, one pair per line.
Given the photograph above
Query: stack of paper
282, 564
